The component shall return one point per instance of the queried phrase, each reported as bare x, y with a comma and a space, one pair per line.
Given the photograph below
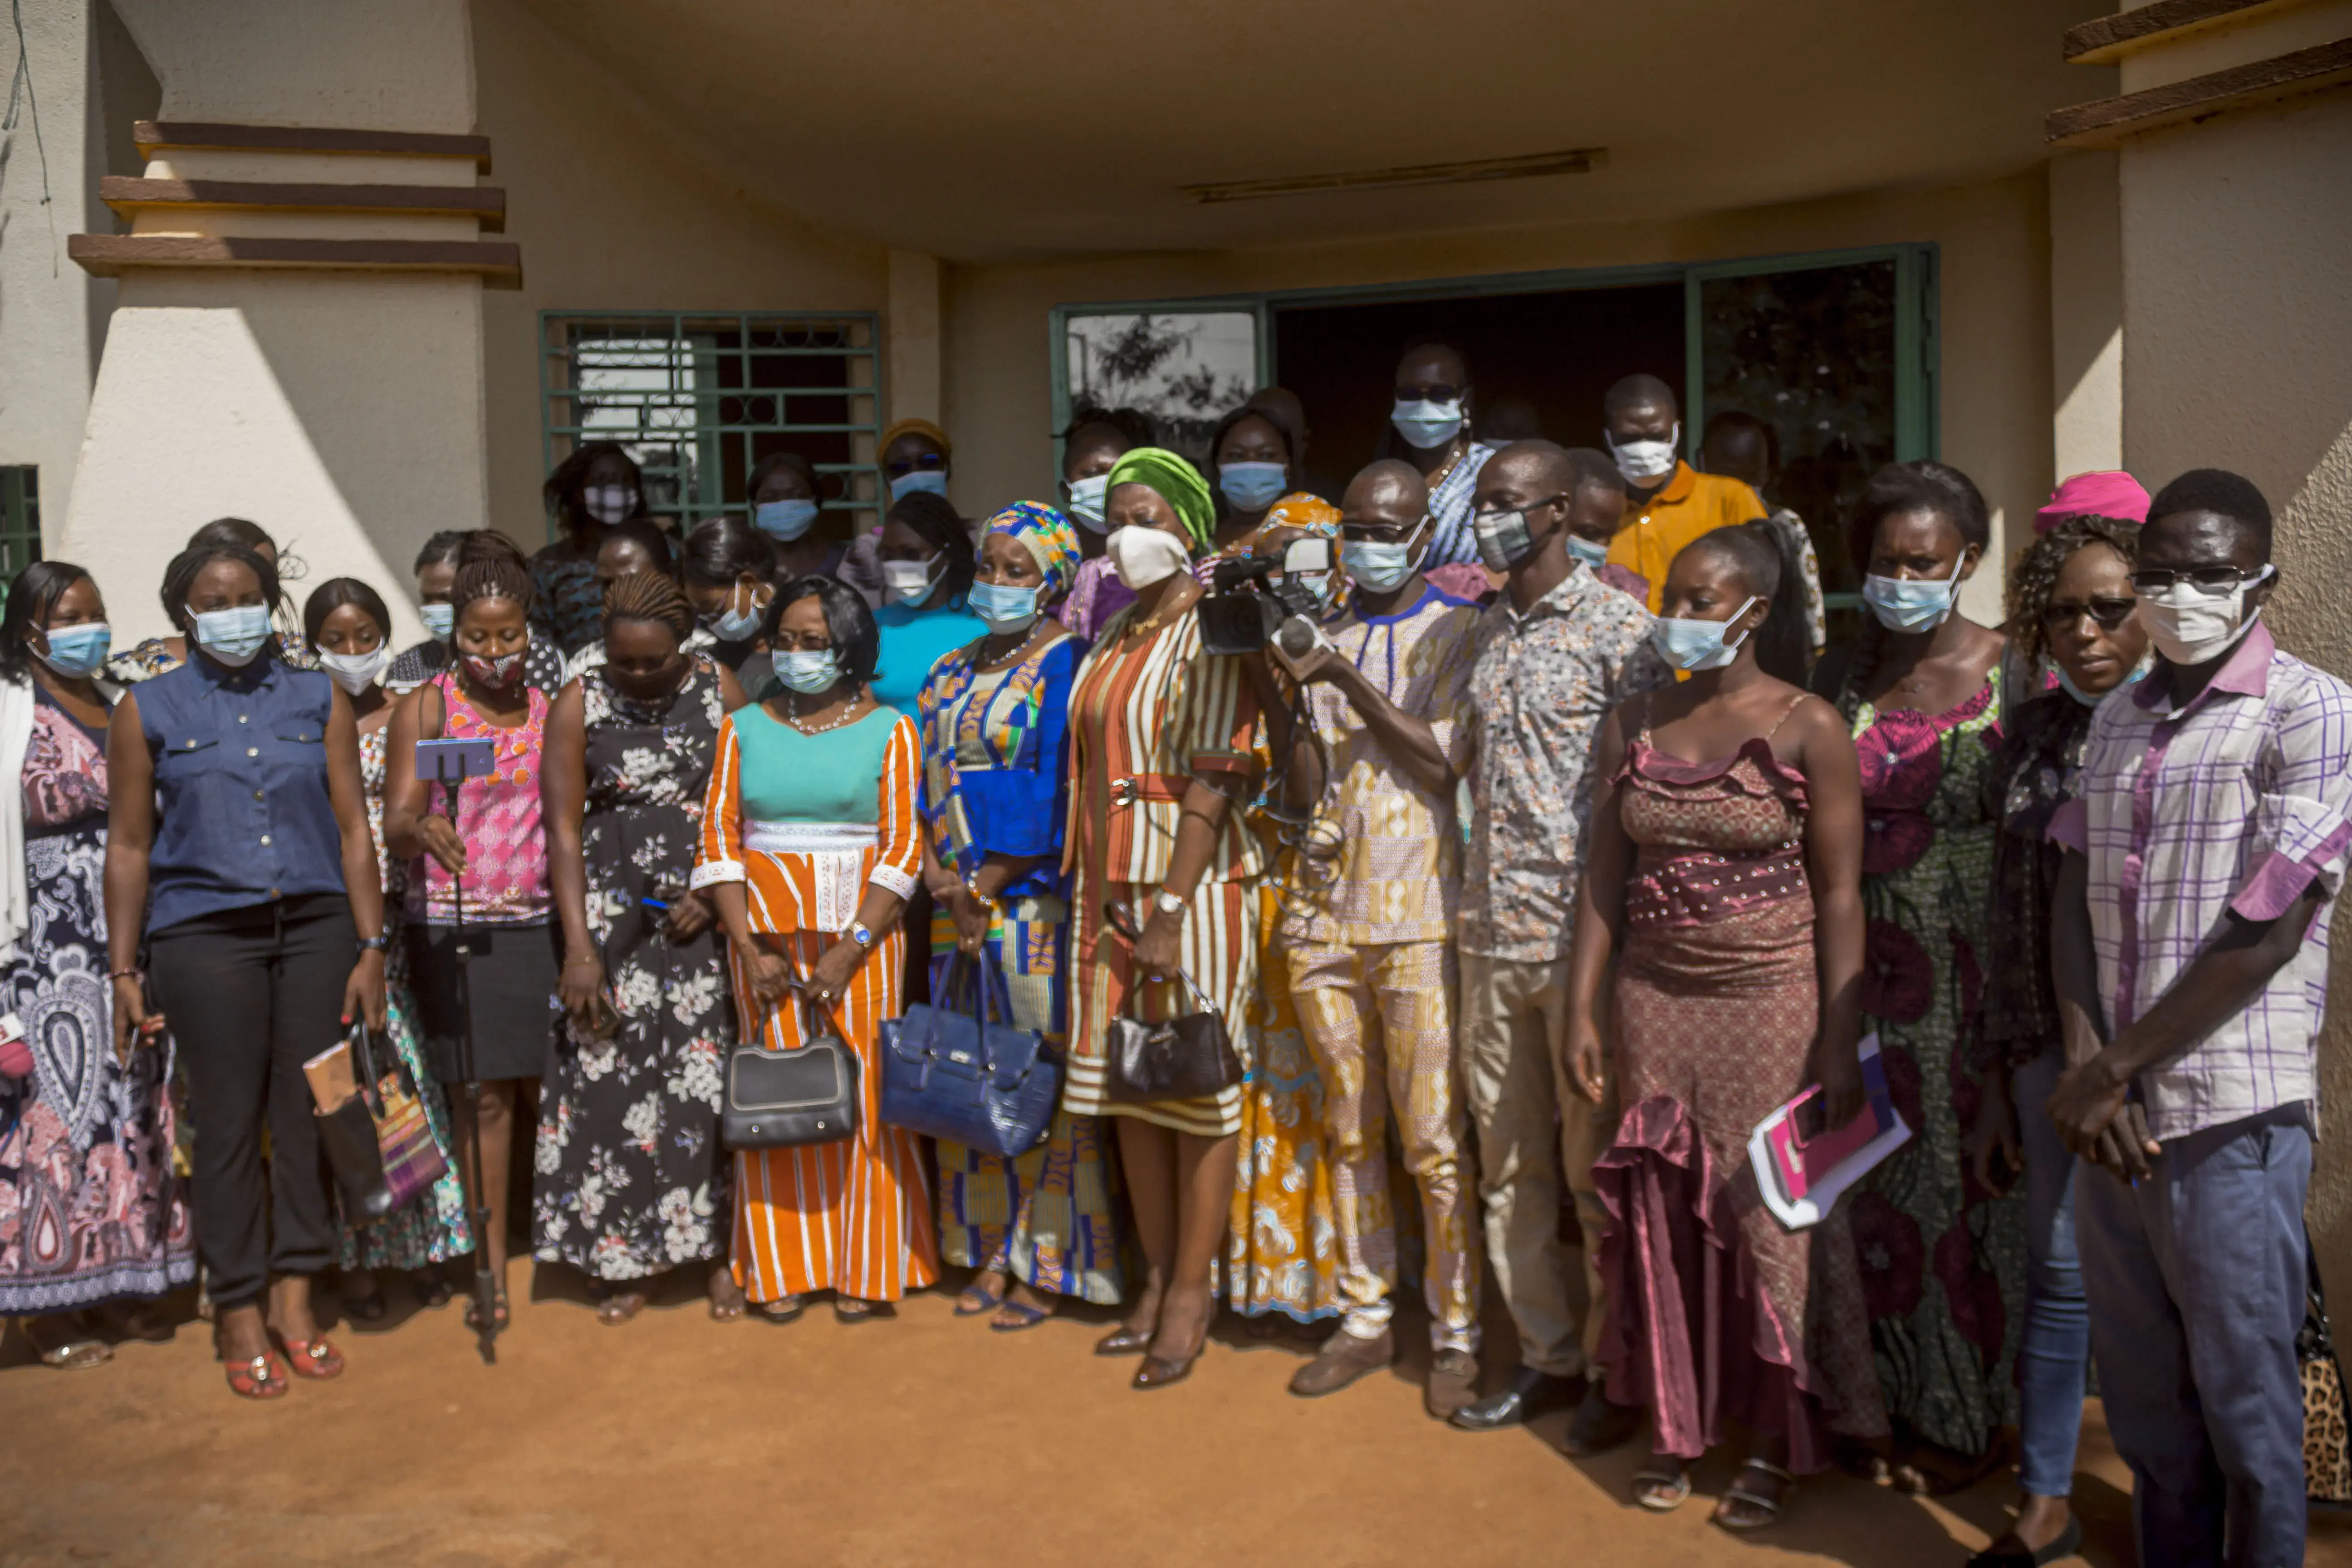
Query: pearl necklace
803, 726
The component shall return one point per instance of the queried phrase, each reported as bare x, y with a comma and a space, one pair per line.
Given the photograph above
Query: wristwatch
862, 934
1168, 903
376, 943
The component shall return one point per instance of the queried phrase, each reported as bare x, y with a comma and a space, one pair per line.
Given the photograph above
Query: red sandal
317, 1360
260, 1378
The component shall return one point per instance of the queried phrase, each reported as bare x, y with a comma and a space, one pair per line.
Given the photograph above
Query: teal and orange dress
804, 821
996, 770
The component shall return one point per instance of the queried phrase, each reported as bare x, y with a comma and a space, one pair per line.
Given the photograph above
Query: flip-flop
1023, 1318
975, 1301
77, 1355
619, 1307
783, 1310
1661, 1491
1771, 1507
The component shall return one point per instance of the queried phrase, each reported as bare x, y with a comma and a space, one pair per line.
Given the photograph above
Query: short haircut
31, 597
490, 580
1920, 486
1420, 341
1594, 471
1636, 390
855, 638
1132, 425
1551, 459
648, 596
936, 521
645, 535
2223, 493
443, 549
774, 460
1739, 421
1279, 418
180, 578
720, 550
335, 593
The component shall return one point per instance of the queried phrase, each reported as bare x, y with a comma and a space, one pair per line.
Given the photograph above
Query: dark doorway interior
1558, 351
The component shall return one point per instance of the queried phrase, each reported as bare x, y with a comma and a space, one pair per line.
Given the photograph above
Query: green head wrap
1176, 481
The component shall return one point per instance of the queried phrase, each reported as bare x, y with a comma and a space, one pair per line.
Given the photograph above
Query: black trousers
251, 995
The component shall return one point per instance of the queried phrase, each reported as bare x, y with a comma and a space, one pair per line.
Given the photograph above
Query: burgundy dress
1718, 1003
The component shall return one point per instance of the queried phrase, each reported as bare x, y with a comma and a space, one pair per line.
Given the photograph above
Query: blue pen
655, 904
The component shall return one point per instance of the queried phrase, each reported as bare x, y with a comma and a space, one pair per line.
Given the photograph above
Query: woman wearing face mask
348, 625
1429, 426
1095, 439
725, 569
1251, 453
443, 556
238, 845
494, 838
995, 801
915, 457
93, 1224
632, 1180
1923, 695
157, 655
927, 562
2071, 603
811, 844
591, 490
1163, 740
788, 512
1722, 880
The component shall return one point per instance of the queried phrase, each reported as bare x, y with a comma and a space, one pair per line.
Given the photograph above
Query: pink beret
2109, 492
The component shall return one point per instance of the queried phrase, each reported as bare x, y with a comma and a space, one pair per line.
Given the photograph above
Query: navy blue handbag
952, 1074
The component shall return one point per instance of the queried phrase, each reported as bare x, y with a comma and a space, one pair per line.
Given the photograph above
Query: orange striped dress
804, 821
1149, 711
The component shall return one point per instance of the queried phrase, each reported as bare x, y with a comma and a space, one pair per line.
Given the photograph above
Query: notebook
1803, 1177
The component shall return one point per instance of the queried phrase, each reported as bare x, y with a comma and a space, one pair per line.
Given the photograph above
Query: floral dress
631, 1178
1942, 1260
89, 1209
432, 1228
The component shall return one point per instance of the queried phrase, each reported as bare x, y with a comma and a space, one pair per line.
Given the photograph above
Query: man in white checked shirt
2211, 828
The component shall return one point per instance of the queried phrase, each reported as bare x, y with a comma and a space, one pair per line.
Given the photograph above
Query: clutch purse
1186, 1058
960, 1076
784, 1100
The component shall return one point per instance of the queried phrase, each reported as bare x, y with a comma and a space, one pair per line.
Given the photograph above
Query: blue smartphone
455, 760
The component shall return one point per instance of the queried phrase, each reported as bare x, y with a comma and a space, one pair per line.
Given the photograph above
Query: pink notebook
1801, 1177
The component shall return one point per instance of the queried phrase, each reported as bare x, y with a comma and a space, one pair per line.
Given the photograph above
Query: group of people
1547, 860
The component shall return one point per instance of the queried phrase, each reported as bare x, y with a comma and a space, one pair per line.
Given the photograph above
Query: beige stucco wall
1995, 357
2086, 305
2237, 239
616, 210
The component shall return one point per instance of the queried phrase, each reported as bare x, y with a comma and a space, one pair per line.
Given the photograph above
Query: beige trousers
1514, 1031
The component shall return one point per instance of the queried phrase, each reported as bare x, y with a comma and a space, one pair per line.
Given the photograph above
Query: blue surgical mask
1698, 644
439, 619
1425, 425
932, 480
809, 673
1593, 552
784, 519
731, 624
1909, 605
1377, 566
78, 650
1005, 608
1087, 498
1252, 487
2092, 699
233, 636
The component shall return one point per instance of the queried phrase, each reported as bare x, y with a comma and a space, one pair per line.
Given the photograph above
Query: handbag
2326, 1442
785, 1099
957, 1076
411, 1159
347, 1137
1186, 1058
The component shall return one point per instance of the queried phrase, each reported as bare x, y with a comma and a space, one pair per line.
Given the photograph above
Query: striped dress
1151, 711
804, 821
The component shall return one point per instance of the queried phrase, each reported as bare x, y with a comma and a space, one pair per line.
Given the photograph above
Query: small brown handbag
1189, 1057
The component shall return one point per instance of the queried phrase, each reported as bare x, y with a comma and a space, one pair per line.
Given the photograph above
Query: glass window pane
1183, 368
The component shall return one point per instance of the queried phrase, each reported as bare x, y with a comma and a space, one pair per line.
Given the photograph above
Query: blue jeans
2196, 1283
2057, 1350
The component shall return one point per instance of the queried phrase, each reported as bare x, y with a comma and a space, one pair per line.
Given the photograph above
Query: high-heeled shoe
1124, 1341
1159, 1372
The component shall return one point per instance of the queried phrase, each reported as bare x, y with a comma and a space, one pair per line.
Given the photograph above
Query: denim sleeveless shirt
242, 812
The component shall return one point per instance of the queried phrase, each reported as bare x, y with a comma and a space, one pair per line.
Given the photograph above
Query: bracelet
124, 974
972, 885
581, 963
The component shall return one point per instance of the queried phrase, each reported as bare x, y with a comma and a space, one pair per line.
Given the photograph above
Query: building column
912, 327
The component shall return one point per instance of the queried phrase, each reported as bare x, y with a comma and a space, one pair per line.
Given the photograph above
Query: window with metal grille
698, 398
20, 522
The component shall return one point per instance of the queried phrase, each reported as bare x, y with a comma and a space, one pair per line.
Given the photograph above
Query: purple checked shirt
2231, 805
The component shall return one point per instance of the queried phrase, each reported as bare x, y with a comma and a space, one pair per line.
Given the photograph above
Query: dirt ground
926, 1439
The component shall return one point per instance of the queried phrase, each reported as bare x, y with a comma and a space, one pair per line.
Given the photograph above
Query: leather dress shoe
1124, 1341
1600, 1425
1345, 1358
1529, 1395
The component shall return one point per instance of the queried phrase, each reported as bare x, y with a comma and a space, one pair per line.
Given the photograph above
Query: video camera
1248, 608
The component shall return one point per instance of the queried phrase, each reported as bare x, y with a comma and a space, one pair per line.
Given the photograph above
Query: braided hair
2036, 577
490, 579
648, 596
1919, 486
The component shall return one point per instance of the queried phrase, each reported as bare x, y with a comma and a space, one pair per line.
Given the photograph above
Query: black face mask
648, 689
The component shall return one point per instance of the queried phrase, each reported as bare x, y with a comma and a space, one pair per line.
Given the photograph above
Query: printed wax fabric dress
1707, 1294
89, 1209
631, 1179
996, 781
432, 1228
1942, 1260
567, 602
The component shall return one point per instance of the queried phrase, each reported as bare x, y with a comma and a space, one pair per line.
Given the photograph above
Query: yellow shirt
1687, 505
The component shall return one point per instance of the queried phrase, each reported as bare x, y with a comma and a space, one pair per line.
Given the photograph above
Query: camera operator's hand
1320, 662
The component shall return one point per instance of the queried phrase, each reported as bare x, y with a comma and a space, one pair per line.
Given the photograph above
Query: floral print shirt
1539, 686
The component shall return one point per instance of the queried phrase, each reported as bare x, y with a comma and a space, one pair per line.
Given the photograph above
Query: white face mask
2190, 624
609, 504
1425, 424
1087, 498
1378, 566
1142, 556
911, 581
354, 672
1642, 461
439, 619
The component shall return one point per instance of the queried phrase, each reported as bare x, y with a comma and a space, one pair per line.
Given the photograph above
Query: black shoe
1600, 1425
1529, 1395
2069, 1542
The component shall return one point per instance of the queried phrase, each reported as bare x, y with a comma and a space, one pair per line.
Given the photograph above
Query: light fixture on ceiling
1527, 166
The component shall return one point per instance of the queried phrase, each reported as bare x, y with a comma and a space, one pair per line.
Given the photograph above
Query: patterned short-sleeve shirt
1541, 684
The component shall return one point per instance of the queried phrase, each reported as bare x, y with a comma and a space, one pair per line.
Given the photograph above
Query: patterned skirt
1218, 947
1048, 1218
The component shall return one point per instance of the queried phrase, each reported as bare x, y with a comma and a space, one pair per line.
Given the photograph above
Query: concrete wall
2237, 244
1995, 313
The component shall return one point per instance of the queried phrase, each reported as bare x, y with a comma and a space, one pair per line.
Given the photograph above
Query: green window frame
703, 393
20, 522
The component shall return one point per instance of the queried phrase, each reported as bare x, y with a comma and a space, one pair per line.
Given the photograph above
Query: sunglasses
2205, 579
2109, 612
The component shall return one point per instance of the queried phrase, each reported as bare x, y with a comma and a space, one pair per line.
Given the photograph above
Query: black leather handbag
1187, 1057
784, 1100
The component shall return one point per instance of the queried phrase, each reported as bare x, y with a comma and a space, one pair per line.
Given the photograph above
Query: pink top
498, 818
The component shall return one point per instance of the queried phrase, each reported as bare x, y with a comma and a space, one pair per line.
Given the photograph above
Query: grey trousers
2196, 1281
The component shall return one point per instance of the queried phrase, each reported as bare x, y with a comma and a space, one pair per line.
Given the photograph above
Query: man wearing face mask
1549, 658
1369, 928
1429, 427
2190, 956
1668, 503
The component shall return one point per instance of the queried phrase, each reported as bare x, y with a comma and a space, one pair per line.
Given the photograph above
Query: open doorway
1552, 355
